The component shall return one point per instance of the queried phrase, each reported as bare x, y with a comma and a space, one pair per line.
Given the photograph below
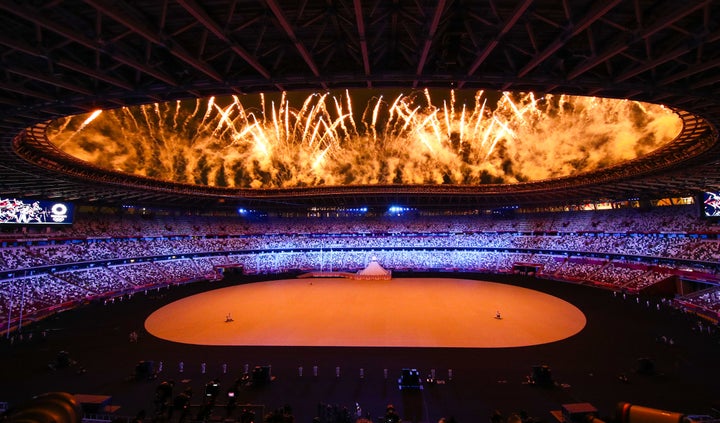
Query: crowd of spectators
33, 294
690, 248
103, 255
96, 280
664, 232
708, 299
118, 224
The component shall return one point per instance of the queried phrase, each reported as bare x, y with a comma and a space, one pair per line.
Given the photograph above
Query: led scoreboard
35, 212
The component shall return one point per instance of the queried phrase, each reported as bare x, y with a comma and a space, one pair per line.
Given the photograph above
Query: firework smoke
405, 140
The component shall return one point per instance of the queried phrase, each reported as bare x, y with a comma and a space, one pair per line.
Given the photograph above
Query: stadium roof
68, 57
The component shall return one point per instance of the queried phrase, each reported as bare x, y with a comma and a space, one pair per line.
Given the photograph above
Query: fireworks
269, 142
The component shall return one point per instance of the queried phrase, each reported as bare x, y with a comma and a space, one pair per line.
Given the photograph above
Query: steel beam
360, 22
509, 23
439, 8
621, 44
282, 20
154, 36
198, 13
570, 32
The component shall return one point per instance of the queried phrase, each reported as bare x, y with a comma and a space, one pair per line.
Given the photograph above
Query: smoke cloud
325, 139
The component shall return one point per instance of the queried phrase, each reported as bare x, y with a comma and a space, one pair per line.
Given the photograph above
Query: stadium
350, 230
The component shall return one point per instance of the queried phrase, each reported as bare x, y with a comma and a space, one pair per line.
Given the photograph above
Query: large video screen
711, 204
35, 212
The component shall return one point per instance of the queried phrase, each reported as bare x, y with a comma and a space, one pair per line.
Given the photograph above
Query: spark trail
265, 143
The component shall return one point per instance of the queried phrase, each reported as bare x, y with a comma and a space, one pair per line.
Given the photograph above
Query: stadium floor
584, 367
402, 312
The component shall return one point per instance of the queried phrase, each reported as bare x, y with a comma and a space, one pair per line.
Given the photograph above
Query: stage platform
404, 312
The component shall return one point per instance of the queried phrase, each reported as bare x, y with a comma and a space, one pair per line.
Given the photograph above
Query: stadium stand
99, 257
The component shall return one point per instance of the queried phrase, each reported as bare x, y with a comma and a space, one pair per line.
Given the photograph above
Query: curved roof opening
365, 138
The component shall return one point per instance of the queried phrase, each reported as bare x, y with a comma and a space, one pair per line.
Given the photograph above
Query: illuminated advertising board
35, 212
711, 204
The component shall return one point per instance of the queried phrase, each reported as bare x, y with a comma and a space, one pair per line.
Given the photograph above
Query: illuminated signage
35, 212
711, 204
